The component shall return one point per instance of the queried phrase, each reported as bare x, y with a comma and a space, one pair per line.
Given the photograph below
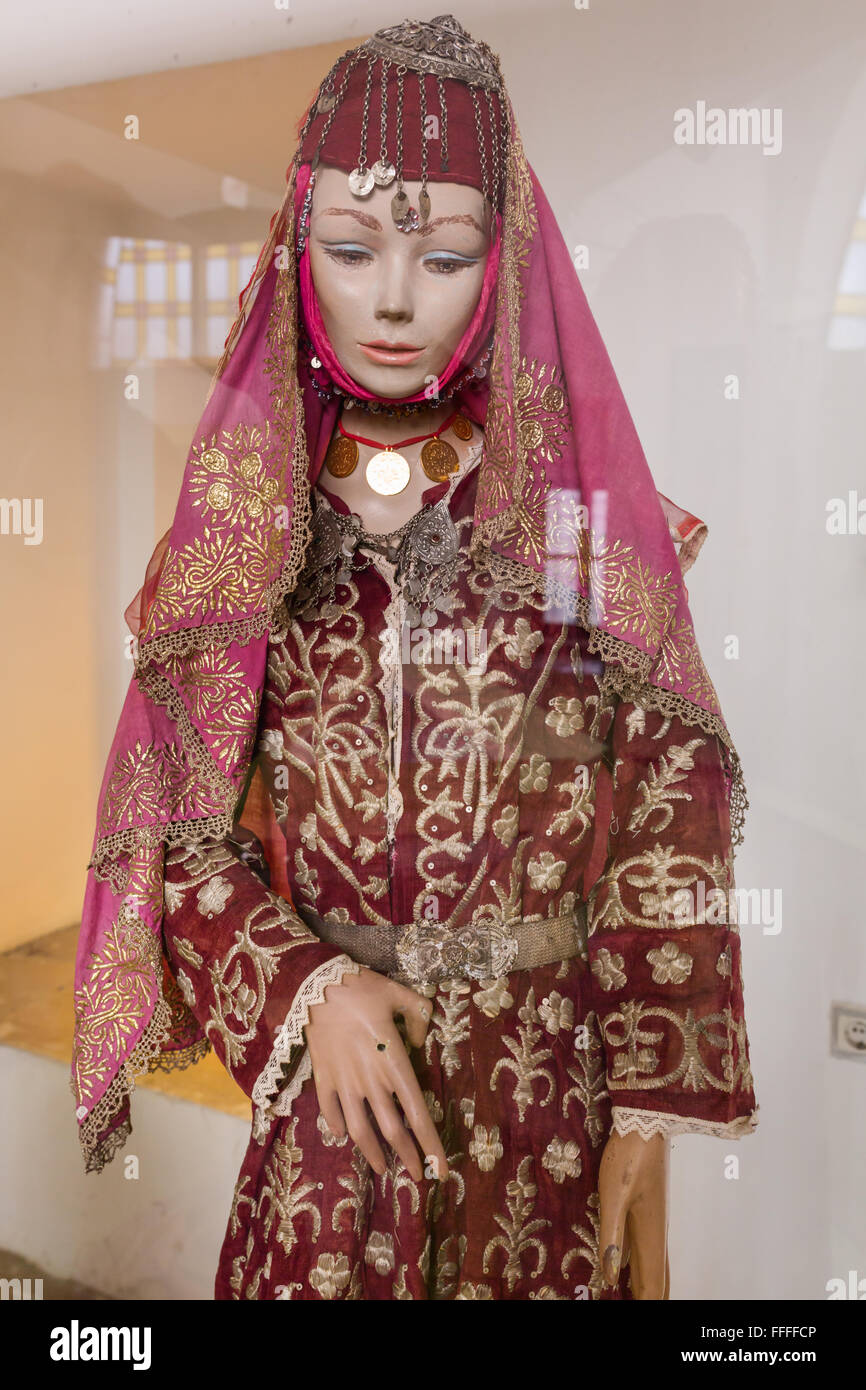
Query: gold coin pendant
439, 460
388, 472
342, 456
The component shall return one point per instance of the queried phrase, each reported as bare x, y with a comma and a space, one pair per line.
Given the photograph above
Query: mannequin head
378, 284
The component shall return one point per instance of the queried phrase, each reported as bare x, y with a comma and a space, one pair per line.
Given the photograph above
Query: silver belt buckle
428, 952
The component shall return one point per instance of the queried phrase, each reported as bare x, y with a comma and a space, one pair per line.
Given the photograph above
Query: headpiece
401, 85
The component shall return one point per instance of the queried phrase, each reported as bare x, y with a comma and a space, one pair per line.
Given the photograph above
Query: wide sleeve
664, 946
246, 964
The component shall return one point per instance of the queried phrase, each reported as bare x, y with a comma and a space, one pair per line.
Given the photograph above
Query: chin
393, 384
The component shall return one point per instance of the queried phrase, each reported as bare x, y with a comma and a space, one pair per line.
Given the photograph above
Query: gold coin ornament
462, 427
388, 472
342, 456
439, 460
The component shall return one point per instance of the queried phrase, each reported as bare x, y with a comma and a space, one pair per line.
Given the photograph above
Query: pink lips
391, 354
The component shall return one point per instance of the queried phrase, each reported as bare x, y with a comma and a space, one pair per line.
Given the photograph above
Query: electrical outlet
848, 1036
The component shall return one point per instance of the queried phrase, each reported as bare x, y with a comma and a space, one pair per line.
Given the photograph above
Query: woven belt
427, 952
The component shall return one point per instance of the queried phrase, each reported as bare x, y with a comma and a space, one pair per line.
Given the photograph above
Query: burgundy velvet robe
518, 790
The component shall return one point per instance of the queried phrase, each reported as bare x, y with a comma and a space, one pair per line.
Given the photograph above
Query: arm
247, 966
666, 978
664, 956
258, 980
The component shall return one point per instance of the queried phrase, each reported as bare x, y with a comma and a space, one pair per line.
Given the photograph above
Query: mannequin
379, 285
427, 908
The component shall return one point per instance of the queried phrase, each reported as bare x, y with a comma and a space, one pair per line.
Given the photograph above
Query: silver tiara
441, 46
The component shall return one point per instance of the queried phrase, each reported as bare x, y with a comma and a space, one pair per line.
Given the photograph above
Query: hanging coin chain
400, 209
494, 142
482, 147
361, 181
388, 471
331, 102
383, 171
423, 196
443, 126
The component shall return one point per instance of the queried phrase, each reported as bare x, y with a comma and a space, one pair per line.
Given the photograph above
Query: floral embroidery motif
671, 966
521, 1233
662, 786
608, 968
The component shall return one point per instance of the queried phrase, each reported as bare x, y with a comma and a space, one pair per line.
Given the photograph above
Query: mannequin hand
632, 1190
349, 1069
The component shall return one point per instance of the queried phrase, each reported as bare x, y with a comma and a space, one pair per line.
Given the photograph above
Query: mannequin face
414, 292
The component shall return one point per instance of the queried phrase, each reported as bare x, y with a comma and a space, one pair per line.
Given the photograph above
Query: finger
395, 1133
330, 1109
361, 1133
415, 1009
411, 1098
613, 1205
648, 1229
631, 1256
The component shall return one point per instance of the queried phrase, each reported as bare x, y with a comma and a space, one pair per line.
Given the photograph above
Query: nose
393, 290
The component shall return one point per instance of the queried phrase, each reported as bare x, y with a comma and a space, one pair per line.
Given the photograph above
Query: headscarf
565, 502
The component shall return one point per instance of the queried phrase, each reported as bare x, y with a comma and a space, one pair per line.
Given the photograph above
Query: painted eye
447, 265
347, 255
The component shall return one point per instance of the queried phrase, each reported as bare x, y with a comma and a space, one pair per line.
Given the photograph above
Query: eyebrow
364, 218
367, 220
464, 218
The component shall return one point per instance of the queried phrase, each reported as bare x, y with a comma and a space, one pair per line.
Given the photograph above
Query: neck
389, 428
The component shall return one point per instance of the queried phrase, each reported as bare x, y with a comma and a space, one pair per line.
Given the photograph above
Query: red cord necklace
388, 471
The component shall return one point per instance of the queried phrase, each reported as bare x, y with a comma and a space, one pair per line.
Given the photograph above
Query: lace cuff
650, 1122
268, 1097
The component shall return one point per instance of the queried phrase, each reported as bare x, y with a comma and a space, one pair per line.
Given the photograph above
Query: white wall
157, 1235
